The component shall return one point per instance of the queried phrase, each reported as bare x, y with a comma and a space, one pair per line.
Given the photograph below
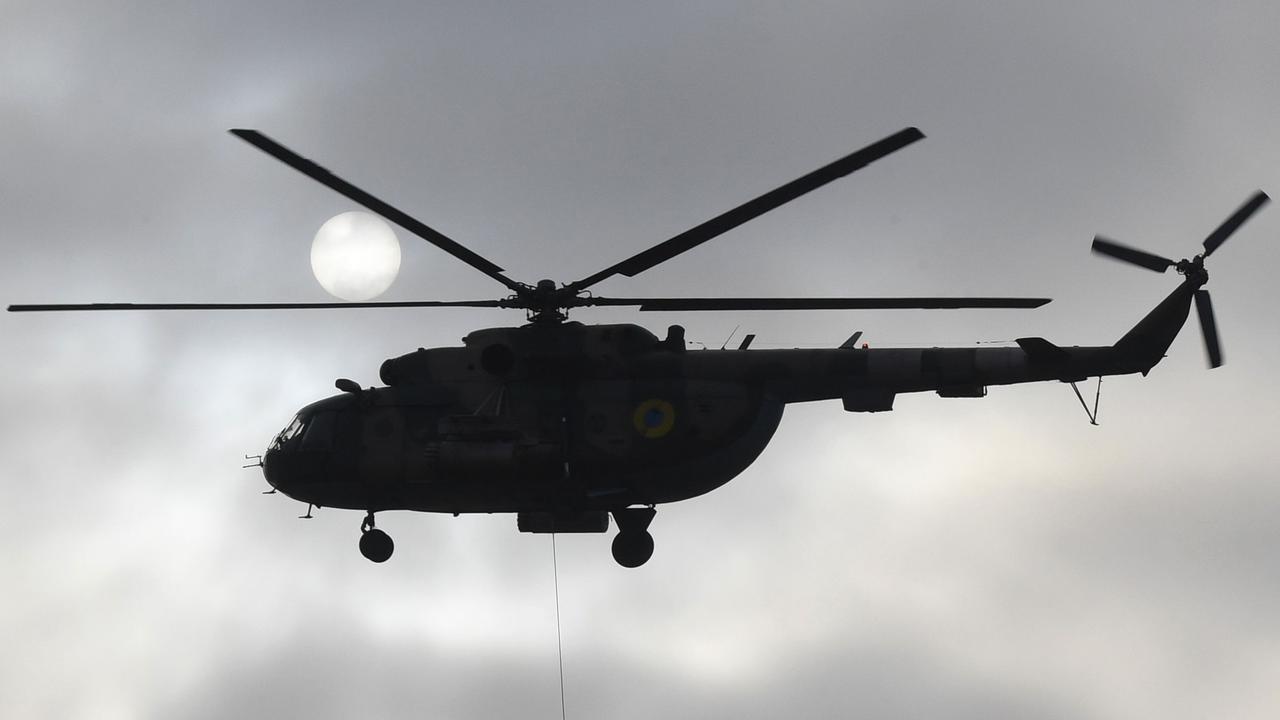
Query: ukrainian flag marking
654, 418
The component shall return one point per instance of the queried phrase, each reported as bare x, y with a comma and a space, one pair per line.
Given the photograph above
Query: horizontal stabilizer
1042, 351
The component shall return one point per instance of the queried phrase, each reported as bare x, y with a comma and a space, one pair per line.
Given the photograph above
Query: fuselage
536, 418
565, 417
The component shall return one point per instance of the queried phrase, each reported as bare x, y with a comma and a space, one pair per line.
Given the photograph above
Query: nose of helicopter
292, 472
273, 469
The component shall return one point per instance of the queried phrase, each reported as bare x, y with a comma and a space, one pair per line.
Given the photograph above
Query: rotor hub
1193, 269
544, 301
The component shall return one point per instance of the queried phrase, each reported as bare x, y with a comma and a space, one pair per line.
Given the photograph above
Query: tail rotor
1192, 268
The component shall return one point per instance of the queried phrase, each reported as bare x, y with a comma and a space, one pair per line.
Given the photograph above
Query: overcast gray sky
994, 558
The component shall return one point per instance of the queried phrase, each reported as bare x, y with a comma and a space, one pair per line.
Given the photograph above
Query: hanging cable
555, 574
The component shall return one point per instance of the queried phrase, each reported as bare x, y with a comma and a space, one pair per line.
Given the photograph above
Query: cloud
993, 558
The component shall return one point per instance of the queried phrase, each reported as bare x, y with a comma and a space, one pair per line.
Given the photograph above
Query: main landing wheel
633, 548
374, 543
634, 545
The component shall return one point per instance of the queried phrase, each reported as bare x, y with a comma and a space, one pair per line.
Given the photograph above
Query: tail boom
868, 379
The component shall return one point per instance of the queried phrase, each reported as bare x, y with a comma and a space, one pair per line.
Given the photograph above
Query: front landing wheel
376, 545
633, 548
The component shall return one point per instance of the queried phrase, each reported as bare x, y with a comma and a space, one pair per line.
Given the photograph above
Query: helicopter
566, 424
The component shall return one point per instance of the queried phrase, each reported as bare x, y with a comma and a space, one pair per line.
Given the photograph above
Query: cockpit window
294, 429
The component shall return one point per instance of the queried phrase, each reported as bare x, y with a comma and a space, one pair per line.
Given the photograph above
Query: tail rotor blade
1141, 258
1220, 235
1204, 308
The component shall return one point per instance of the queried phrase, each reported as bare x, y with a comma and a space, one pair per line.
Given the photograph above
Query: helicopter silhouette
567, 424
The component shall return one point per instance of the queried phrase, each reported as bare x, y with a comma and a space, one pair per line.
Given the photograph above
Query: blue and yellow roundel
654, 418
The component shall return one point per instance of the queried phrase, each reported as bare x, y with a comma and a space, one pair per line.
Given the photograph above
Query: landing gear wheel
633, 548
376, 545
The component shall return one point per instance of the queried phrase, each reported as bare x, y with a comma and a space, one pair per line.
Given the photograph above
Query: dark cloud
994, 558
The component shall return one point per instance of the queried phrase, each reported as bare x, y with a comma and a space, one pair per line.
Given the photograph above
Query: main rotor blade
724, 222
909, 303
351, 192
1204, 308
253, 306
1220, 235
1141, 258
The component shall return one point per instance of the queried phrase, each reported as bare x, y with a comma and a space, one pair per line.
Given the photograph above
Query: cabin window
319, 432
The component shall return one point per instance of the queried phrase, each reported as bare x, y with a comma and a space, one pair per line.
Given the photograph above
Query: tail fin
1145, 345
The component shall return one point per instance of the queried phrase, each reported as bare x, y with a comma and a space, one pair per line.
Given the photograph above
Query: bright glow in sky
355, 256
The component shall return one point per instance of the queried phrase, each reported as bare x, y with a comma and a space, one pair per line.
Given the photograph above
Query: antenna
726, 340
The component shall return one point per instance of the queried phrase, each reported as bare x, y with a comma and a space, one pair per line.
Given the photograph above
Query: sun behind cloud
355, 256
